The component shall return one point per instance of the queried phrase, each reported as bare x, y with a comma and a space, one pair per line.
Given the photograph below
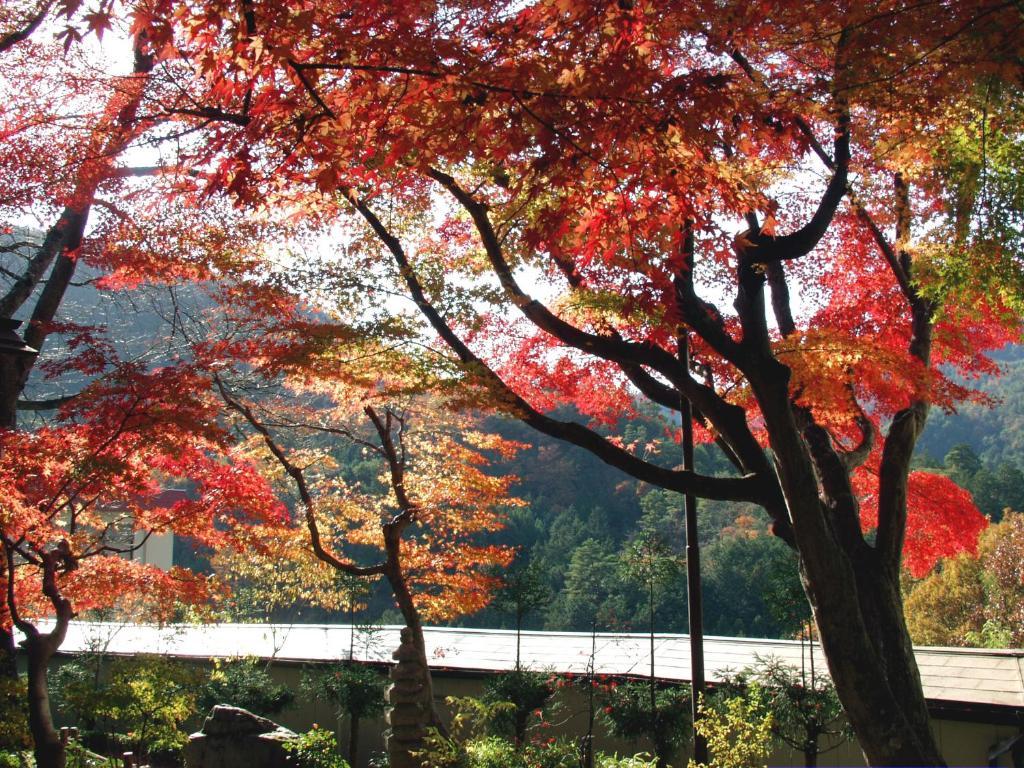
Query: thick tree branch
839, 499
50, 404
908, 424
396, 465
299, 479
857, 455
65, 235
31, 25
614, 349
26, 627
728, 420
747, 488
769, 248
776, 274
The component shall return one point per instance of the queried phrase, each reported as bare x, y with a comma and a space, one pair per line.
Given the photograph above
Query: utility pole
684, 281
695, 612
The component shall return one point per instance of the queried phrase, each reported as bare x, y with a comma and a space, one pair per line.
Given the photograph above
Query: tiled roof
950, 675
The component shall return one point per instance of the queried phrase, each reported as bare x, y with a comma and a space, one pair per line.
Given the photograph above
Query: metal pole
695, 612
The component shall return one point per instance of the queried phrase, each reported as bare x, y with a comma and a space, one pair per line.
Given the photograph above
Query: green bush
316, 748
492, 752
527, 691
244, 683
77, 687
738, 731
147, 701
630, 714
614, 761
469, 746
138, 703
14, 733
352, 689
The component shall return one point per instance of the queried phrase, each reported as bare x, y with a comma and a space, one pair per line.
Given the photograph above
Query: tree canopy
570, 194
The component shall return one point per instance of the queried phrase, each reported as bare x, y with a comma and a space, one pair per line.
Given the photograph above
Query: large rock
236, 738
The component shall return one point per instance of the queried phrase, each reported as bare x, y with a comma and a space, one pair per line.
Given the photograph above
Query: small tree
738, 729
524, 589
661, 714
140, 705
804, 709
649, 562
353, 690
244, 683
526, 690
421, 523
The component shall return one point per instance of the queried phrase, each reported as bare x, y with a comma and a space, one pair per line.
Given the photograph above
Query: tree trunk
811, 755
587, 758
10, 389
852, 586
8, 651
353, 741
662, 753
871, 661
519, 635
522, 718
49, 751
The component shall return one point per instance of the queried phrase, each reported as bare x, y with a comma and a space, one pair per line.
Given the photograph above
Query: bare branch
50, 404
299, 478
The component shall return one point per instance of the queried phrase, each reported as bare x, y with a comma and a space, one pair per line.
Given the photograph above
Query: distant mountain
995, 434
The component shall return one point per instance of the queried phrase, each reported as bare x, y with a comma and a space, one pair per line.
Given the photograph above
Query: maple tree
644, 160
641, 161
61, 182
83, 488
422, 523
90, 487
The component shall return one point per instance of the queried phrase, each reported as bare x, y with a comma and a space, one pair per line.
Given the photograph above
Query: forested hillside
583, 515
982, 447
996, 434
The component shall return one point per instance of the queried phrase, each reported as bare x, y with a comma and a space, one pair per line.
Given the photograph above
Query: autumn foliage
782, 220
92, 484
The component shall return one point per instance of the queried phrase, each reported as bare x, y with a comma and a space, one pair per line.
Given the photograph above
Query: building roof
951, 676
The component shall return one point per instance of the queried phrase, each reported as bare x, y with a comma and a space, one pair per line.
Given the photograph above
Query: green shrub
527, 691
614, 761
77, 691
352, 689
496, 752
138, 703
471, 721
79, 757
470, 746
14, 733
244, 683
630, 714
492, 752
738, 731
15, 759
316, 748
560, 753
147, 701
